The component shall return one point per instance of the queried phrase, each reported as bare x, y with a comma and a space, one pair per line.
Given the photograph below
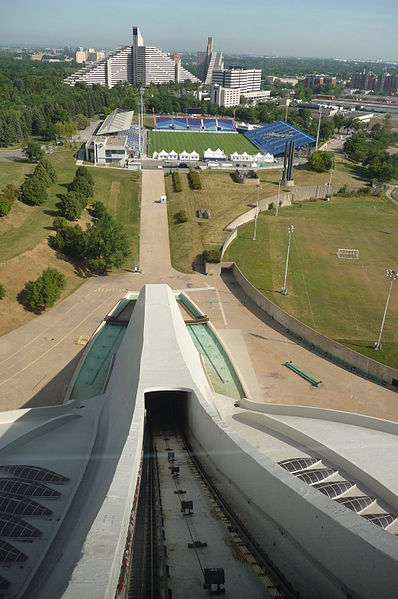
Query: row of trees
101, 246
34, 188
80, 192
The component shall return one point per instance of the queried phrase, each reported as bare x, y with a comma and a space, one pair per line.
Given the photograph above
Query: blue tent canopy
272, 138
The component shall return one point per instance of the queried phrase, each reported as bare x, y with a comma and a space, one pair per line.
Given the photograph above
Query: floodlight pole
392, 275
291, 229
279, 193
319, 129
256, 214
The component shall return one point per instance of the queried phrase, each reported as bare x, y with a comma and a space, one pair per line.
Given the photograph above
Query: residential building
137, 64
316, 80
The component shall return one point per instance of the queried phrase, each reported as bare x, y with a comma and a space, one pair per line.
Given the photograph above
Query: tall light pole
256, 214
291, 229
392, 275
279, 193
319, 128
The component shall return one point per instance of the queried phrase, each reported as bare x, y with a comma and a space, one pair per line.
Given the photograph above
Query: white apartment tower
247, 80
208, 61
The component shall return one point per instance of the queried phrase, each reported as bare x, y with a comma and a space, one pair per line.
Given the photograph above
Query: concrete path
389, 192
154, 229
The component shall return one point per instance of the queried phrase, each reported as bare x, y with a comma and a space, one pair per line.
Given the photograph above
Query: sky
361, 29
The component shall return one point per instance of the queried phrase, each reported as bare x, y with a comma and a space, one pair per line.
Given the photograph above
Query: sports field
343, 299
179, 141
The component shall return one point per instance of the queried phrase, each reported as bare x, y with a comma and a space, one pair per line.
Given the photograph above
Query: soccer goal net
348, 254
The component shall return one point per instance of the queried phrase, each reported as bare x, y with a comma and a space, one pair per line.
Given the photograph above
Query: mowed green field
343, 299
170, 140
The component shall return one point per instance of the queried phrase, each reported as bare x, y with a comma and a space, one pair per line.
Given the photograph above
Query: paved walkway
38, 359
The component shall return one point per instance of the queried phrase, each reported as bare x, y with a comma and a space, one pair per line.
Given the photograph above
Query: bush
33, 191
181, 217
83, 187
5, 205
271, 206
71, 205
177, 181
212, 255
44, 292
7, 198
194, 179
59, 223
2, 291
71, 240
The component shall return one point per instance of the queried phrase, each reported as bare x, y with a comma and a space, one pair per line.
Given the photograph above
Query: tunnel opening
167, 407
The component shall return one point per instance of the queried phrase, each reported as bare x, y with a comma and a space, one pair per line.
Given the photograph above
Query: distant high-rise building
247, 80
208, 61
137, 64
316, 80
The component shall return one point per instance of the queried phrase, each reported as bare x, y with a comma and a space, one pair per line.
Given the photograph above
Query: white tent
245, 157
173, 155
184, 155
235, 156
208, 153
194, 156
163, 155
155, 155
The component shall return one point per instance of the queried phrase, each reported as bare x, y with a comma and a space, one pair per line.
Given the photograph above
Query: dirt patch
27, 267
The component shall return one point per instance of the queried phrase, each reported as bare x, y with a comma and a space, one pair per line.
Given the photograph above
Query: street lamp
291, 229
256, 214
392, 275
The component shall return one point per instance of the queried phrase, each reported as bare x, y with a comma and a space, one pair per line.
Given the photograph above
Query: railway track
151, 576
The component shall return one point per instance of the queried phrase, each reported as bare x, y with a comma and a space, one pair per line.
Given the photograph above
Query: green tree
320, 161
48, 166
42, 175
71, 205
339, 121
33, 151
2, 291
81, 121
107, 244
33, 191
98, 209
71, 240
7, 197
44, 292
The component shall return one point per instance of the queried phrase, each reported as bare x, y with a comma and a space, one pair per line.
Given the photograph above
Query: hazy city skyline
354, 30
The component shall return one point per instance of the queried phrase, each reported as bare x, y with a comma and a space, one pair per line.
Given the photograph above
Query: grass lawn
343, 299
24, 250
226, 200
13, 172
170, 140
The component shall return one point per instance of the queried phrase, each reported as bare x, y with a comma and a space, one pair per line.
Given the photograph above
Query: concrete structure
115, 141
207, 62
136, 64
290, 473
316, 80
368, 81
255, 97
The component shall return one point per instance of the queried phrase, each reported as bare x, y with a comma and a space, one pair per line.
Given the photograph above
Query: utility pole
392, 275
291, 229
256, 214
319, 128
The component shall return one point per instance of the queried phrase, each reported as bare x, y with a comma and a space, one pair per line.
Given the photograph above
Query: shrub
212, 255
33, 191
71, 240
5, 205
194, 179
2, 291
83, 187
271, 206
177, 181
7, 198
59, 223
181, 217
44, 292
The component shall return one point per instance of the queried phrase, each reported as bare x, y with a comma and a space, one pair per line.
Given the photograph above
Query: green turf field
343, 299
179, 141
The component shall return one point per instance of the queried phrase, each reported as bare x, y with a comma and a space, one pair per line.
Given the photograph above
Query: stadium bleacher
194, 124
163, 122
272, 138
210, 124
226, 125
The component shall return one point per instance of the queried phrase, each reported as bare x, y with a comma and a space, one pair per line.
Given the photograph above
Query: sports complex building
316, 488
